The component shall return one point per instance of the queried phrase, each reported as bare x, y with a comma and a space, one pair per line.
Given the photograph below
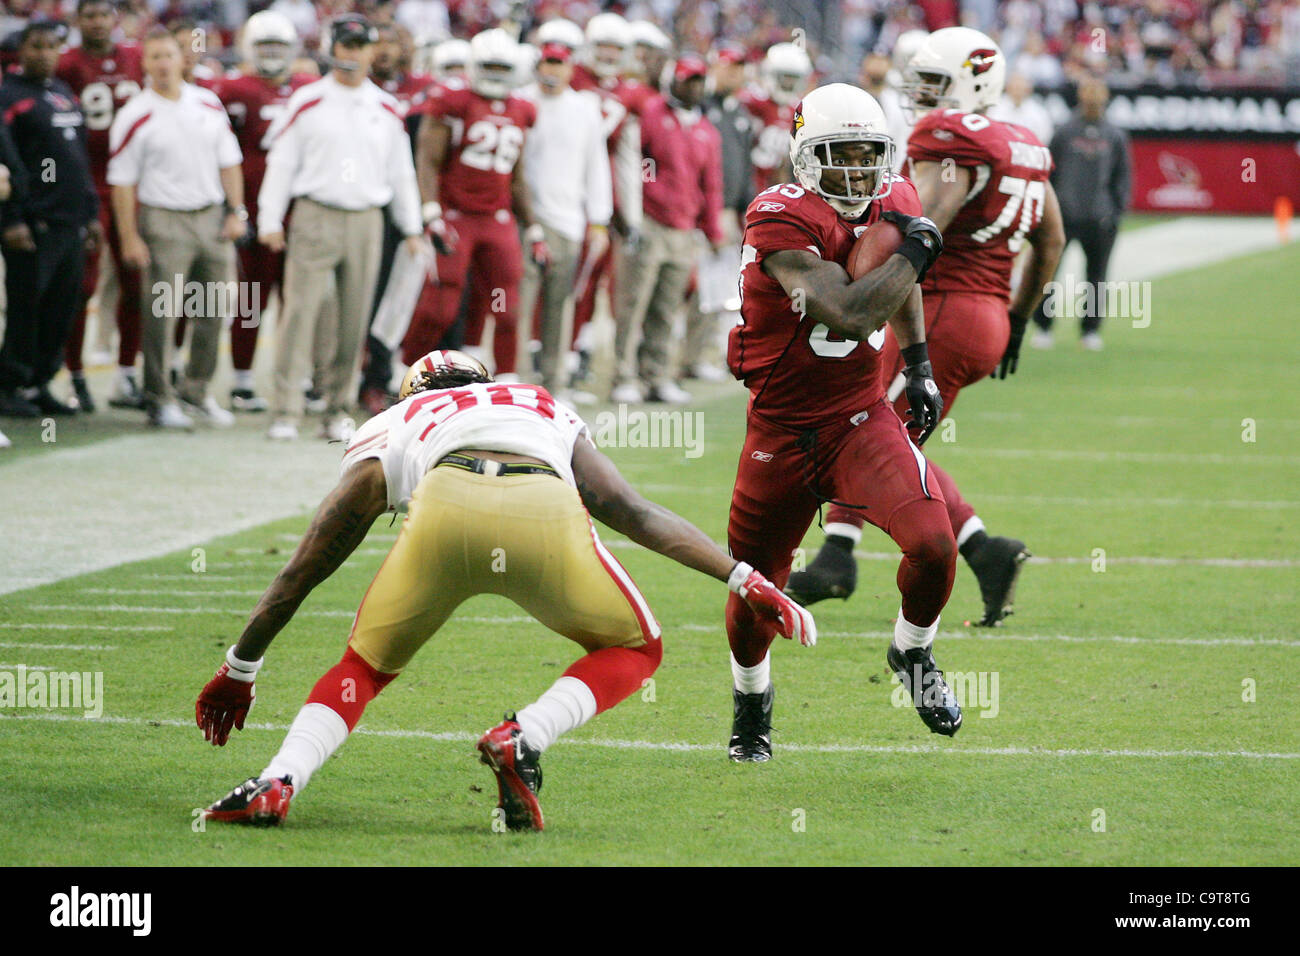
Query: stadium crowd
699, 92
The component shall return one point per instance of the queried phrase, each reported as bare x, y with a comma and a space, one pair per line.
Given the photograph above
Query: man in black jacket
1092, 181
47, 229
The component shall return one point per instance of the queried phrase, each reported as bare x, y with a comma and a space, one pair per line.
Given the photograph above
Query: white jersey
414, 435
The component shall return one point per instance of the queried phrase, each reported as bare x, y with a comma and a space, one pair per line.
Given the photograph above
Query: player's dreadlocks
447, 376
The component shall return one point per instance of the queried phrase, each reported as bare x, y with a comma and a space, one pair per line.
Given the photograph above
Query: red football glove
225, 700
767, 600
440, 232
538, 251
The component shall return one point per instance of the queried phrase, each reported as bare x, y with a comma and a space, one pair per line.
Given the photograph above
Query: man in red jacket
682, 175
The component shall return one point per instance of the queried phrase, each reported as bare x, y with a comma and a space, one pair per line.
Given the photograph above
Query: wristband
535, 233
739, 575
915, 252
430, 211
239, 670
914, 355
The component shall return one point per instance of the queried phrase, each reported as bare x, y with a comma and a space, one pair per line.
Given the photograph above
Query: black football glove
922, 240
921, 391
1011, 357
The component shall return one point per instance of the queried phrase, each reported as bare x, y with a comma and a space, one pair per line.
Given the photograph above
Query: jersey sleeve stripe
299, 111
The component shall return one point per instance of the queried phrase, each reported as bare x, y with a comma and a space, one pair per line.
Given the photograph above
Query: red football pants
128, 299
489, 246
966, 336
872, 465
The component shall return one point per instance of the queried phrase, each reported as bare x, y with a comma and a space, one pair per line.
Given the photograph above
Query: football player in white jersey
485, 471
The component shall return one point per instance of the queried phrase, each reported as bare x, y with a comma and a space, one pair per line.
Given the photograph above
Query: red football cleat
519, 773
262, 803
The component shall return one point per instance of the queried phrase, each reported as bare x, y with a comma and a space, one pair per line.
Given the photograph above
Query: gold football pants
525, 537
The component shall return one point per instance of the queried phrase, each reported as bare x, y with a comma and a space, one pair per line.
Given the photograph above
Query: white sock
244, 378
752, 680
907, 635
844, 530
126, 371
972, 525
313, 737
566, 706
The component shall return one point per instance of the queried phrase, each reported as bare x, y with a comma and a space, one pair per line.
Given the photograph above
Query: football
877, 243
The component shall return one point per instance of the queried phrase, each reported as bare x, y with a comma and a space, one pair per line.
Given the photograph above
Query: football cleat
260, 803
833, 574
751, 727
997, 565
519, 773
934, 701
246, 400
126, 393
85, 401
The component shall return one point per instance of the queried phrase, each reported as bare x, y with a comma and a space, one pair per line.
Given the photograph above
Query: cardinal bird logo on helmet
798, 119
980, 61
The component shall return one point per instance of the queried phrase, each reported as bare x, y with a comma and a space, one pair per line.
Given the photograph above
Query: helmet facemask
827, 167
272, 58
926, 88
492, 79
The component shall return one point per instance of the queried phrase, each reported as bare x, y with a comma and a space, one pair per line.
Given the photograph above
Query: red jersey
1011, 168
253, 103
102, 84
772, 123
404, 87
487, 140
805, 372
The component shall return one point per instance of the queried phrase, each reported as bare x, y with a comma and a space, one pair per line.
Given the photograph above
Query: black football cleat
751, 727
519, 773
997, 565
833, 574
924, 683
261, 803
85, 401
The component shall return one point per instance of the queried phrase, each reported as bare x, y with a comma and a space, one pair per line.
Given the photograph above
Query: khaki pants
525, 537
651, 289
184, 248
324, 244
555, 286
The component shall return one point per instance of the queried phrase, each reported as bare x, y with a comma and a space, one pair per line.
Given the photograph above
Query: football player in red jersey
985, 184
477, 465
104, 75
819, 428
783, 77
253, 99
469, 164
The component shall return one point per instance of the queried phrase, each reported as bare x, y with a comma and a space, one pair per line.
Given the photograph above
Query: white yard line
952, 750
1001, 634
58, 647
1179, 245
130, 609
86, 627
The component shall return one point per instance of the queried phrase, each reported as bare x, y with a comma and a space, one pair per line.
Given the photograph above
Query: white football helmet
435, 360
609, 38
784, 72
905, 47
955, 68
834, 114
646, 33
450, 58
270, 43
561, 31
493, 63
526, 59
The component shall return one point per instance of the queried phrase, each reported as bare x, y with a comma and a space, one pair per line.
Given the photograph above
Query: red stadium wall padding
1214, 175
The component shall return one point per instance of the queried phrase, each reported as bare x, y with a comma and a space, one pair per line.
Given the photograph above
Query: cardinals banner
1202, 151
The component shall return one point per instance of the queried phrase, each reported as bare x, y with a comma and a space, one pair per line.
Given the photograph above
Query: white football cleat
4, 440
1092, 342
210, 413
170, 416
670, 393
338, 428
1042, 340
282, 429
707, 373
629, 393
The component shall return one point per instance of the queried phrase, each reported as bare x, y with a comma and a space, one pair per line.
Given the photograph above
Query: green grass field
1122, 693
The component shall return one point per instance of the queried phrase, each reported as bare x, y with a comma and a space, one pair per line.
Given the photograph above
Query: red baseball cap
689, 65
729, 52
556, 51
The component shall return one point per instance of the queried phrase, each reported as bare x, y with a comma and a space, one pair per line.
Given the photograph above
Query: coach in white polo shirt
171, 149
340, 152
566, 164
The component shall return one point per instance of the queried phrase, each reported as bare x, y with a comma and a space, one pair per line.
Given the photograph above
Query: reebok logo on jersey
761, 456
769, 207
